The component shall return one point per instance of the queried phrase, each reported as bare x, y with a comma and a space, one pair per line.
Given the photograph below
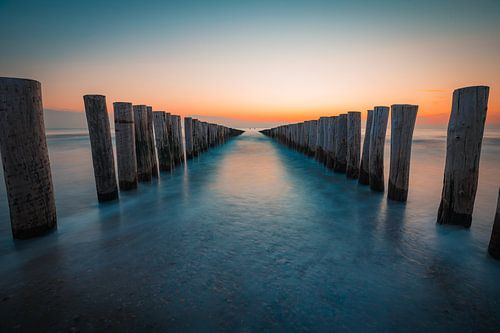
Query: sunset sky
259, 62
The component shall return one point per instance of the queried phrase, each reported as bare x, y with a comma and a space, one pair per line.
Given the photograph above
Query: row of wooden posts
147, 142
336, 142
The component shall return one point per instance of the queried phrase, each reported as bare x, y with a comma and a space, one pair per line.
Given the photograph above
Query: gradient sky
255, 61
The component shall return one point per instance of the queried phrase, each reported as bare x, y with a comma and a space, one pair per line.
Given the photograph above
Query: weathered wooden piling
364, 169
151, 143
125, 145
142, 149
403, 118
494, 246
340, 158
463, 151
188, 136
101, 146
353, 143
330, 158
161, 138
177, 139
25, 158
377, 144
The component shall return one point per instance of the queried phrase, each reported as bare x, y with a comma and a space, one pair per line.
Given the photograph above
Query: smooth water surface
253, 236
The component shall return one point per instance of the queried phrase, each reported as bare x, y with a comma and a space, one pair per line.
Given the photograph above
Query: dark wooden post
377, 144
403, 118
463, 151
125, 145
142, 149
340, 159
353, 143
151, 143
188, 135
25, 158
102, 147
364, 169
494, 247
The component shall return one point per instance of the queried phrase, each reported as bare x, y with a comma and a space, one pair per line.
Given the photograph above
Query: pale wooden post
364, 169
151, 143
353, 144
101, 146
403, 118
125, 145
162, 143
25, 158
463, 151
377, 144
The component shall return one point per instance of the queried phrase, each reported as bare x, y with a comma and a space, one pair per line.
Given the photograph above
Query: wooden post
151, 143
364, 170
25, 158
176, 139
403, 118
377, 144
463, 151
494, 247
330, 158
125, 145
353, 144
102, 147
161, 138
142, 149
340, 160
188, 135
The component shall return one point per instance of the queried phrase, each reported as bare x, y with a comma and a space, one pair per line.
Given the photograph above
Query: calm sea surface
253, 236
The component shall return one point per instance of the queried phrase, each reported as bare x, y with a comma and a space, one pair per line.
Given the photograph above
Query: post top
5, 78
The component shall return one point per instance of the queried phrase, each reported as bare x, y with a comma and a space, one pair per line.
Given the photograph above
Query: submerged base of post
396, 194
447, 216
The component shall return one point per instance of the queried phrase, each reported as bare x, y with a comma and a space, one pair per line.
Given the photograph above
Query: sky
255, 63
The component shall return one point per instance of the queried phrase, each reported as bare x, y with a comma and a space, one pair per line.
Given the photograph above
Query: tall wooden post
125, 145
463, 151
377, 144
364, 170
151, 143
102, 147
142, 149
25, 158
403, 118
353, 143
494, 247
340, 160
188, 136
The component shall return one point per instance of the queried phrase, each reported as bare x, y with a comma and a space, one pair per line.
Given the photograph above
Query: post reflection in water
253, 236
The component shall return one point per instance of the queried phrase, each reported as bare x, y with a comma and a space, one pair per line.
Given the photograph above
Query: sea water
253, 236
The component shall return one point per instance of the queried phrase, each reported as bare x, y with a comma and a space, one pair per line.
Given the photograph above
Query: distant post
330, 158
494, 247
403, 118
364, 171
143, 152
102, 147
377, 143
463, 151
25, 158
340, 159
125, 145
353, 143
